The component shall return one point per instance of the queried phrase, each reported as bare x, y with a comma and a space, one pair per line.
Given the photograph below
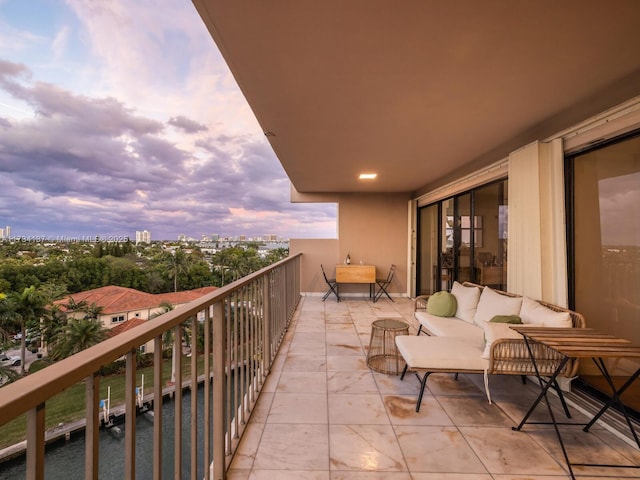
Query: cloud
11, 69
187, 125
85, 165
619, 200
60, 42
123, 116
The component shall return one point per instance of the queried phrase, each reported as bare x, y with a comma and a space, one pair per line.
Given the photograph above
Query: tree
7, 374
4, 334
276, 255
23, 310
176, 263
92, 311
77, 335
53, 322
236, 260
167, 338
219, 274
19, 273
53, 318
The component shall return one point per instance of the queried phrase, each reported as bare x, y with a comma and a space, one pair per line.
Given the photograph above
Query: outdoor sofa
468, 330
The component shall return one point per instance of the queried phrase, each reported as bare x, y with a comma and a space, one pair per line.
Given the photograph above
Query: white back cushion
533, 313
467, 299
493, 303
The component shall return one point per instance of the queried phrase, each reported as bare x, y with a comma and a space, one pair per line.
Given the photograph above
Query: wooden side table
578, 343
383, 354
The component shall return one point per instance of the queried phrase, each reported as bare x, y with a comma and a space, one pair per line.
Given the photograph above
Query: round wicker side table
383, 355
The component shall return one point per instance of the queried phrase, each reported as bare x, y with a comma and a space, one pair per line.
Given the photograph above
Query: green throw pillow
506, 319
442, 304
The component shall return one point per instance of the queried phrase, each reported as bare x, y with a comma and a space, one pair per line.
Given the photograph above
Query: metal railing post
91, 451
207, 395
219, 396
266, 324
35, 443
177, 415
157, 408
194, 398
130, 417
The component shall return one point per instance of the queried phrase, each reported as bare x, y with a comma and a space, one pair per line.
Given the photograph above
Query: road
14, 350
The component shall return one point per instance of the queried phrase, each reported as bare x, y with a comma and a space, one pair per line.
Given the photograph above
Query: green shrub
113, 368
39, 364
144, 360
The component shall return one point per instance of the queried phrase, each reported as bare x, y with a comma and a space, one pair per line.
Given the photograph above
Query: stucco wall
315, 252
373, 230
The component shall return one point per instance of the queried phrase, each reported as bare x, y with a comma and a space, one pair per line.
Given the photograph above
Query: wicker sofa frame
511, 357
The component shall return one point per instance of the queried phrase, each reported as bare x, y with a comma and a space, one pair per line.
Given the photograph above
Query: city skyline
139, 236
110, 124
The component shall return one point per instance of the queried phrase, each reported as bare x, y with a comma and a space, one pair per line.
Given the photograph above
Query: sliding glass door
605, 258
463, 238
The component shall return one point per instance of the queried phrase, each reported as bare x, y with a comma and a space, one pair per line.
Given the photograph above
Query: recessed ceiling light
368, 176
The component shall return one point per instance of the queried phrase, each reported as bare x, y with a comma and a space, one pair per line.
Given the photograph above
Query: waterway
64, 460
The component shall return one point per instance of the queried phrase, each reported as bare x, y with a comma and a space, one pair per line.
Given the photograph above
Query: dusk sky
121, 115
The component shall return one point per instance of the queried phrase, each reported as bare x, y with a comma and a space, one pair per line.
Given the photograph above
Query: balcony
308, 406
323, 414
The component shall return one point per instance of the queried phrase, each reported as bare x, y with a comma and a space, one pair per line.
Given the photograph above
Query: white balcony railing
244, 323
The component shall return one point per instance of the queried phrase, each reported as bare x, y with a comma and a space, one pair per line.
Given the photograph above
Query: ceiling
420, 91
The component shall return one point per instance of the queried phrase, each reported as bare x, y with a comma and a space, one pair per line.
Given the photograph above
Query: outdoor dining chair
331, 283
383, 284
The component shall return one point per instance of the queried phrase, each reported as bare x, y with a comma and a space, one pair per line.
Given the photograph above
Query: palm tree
54, 318
4, 335
167, 338
222, 269
7, 374
23, 310
77, 335
235, 261
93, 311
74, 306
177, 262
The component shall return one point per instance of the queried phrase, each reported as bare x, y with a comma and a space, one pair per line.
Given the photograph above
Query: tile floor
323, 415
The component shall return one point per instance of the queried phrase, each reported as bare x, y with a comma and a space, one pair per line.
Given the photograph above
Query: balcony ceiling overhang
420, 91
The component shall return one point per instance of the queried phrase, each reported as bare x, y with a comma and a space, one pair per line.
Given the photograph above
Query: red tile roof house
125, 308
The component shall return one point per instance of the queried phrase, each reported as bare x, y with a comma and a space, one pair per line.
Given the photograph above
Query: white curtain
537, 252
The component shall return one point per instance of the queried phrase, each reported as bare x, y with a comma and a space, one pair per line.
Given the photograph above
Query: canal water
65, 460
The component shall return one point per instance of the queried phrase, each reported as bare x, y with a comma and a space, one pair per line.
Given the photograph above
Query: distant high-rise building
243, 238
215, 237
143, 236
182, 237
5, 233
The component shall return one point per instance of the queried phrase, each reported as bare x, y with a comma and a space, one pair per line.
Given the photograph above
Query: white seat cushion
451, 327
440, 353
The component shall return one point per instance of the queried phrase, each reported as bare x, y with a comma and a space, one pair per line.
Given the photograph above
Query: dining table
357, 274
